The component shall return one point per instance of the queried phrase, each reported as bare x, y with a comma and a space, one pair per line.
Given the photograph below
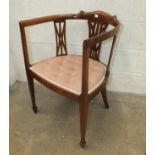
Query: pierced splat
95, 29
60, 36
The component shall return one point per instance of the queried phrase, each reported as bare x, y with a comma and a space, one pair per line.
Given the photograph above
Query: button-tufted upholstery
66, 72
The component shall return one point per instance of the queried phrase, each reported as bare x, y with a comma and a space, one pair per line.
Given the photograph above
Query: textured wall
128, 66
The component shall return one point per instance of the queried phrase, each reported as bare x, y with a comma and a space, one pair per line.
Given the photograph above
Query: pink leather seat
66, 72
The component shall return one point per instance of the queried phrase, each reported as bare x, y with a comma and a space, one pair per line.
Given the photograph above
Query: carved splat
60, 35
95, 29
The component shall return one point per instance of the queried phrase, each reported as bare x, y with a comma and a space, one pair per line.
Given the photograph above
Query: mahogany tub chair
79, 78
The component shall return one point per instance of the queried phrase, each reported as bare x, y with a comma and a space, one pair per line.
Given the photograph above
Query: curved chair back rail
98, 22
96, 16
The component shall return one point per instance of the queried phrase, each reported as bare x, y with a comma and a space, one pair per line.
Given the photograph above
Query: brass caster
107, 106
82, 144
35, 109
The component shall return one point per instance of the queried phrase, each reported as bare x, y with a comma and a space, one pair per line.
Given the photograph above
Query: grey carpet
54, 130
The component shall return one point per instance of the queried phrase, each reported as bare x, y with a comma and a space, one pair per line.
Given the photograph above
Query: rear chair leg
83, 121
104, 96
32, 94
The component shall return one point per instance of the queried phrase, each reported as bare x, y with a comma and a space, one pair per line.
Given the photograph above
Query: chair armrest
87, 44
35, 21
45, 19
32, 22
101, 37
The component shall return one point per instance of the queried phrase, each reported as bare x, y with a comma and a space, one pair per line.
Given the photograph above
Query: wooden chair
78, 77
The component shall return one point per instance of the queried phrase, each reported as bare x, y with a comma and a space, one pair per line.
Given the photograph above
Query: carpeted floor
54, 130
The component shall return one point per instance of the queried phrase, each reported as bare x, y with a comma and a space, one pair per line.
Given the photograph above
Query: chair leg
32, 94
83, 121
104, 96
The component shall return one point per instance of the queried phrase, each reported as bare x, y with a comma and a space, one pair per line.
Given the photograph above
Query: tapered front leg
32, 93
104, 96
83, 121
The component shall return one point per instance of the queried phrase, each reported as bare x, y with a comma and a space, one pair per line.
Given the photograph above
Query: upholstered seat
66, 72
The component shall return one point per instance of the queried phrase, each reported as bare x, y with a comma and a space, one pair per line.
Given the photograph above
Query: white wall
128, 66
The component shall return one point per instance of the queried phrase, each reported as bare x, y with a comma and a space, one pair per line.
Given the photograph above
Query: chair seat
66, 72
